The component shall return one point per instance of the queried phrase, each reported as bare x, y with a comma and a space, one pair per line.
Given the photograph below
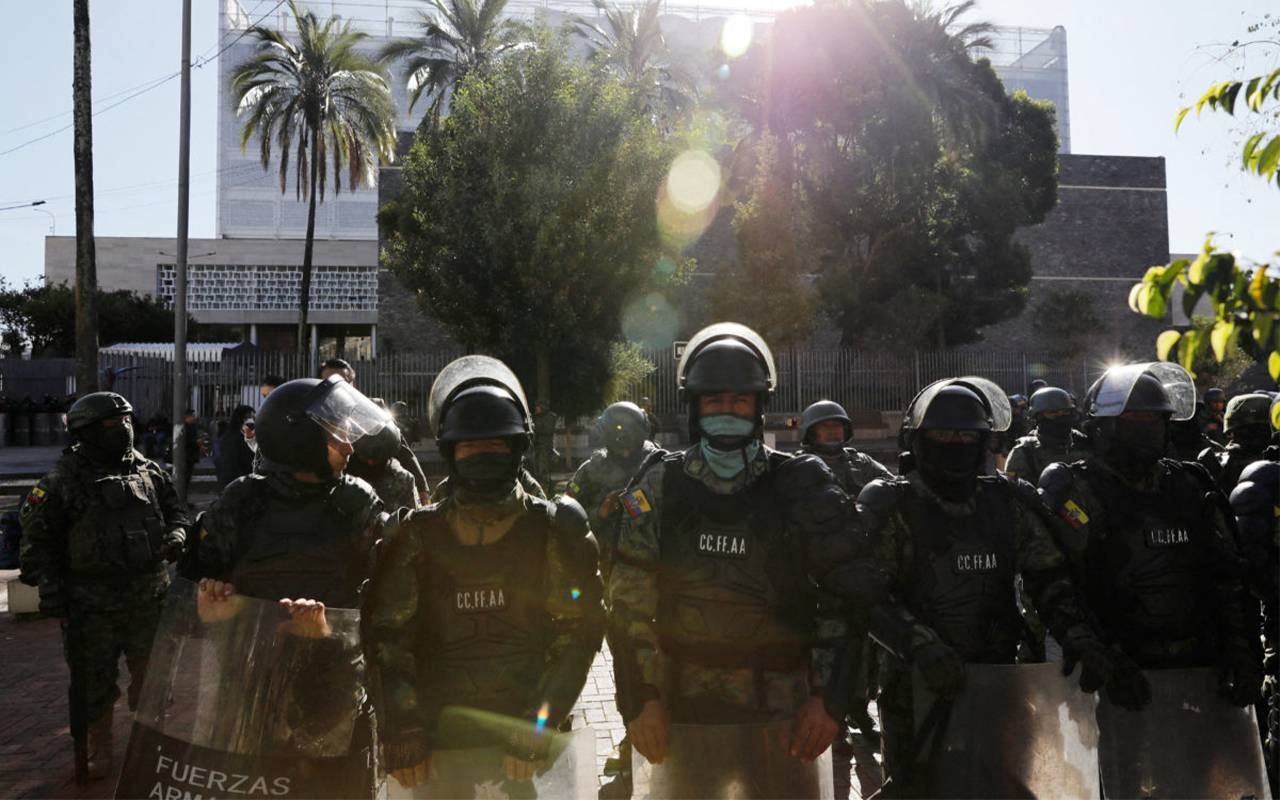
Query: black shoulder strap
656, 455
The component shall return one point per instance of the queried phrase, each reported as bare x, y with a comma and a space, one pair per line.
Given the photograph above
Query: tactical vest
119, 532
962, 575
486, 627
1149, 570
731, 589
299, 546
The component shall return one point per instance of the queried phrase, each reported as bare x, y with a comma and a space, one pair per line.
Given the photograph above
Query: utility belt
758, 660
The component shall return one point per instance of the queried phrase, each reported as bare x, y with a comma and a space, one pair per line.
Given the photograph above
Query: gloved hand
1128, 687
173, 545
941, 668
1096, 662
1240, 675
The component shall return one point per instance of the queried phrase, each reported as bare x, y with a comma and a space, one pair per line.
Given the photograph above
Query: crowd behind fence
859, 380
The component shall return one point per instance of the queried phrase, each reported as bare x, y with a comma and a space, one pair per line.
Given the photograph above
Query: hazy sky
1132, 64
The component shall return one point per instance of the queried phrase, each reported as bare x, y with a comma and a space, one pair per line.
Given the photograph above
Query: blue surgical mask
724, 429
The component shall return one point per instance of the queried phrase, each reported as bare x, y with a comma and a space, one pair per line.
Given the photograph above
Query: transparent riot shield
1014, 731
246, 703
734, 762
1188, 742
464, 766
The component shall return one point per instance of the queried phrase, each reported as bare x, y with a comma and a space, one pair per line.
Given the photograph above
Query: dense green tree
912, 163
528, 219
768, 285
457, 37
44, 317
317, 98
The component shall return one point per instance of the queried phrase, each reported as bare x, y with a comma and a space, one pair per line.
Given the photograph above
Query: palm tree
317, 98
458, 37
630, 45
937, 43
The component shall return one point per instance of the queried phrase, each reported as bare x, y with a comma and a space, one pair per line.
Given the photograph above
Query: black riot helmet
823, 411
623, 427
474, 398
1051, 398
1158, 387
299, 417
725, 357
96, 407
964, 405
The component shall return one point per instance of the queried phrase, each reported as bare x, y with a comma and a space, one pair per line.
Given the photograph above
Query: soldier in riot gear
1255, 501
1053, 439
374, 460
1247, 427
489, 600
1187, 438
624, 431
825, 431
98, 530
1148, 538
623, 428
948, 542
715, 535
300, 530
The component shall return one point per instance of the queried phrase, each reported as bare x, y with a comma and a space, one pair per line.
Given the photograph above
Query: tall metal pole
180, 268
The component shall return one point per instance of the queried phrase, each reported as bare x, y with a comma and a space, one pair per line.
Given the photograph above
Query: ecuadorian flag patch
1074, 514
636, 504
36, 497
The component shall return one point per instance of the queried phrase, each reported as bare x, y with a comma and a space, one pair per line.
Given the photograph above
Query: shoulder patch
636, 503
1073, 514
37, 496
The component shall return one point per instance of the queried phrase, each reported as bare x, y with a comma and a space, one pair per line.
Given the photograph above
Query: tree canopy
913, 164
528, 219
43, 316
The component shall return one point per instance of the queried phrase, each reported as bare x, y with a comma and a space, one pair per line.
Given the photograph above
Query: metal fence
869, 381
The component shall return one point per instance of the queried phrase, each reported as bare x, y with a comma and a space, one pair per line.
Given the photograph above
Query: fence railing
857, 379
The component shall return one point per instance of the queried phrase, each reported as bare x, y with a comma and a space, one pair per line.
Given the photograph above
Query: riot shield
1188, 742
1019, 730
248, 704
734, 762
568, 769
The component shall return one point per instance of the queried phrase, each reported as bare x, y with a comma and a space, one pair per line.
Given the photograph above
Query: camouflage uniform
761, 688
394, 485
852, 467
493, 606
1030, 456
1226, 463
949, 570
91, 535
1157, 561
601, 478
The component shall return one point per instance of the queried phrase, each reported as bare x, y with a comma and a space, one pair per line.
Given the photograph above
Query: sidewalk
35, 740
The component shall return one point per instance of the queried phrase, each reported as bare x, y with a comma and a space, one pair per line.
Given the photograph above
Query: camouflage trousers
106, 634
711, 695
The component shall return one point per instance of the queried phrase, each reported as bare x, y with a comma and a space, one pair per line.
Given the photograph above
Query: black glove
941, 668
1240, 675
1128, 687
1096, 662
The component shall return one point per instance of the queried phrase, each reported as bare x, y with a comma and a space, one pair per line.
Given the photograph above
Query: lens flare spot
693, 181
650, 321
735, 37
543, 714
575, 593
723, 72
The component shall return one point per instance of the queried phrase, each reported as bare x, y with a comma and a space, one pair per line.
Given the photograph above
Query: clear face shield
1113, 392
346, 414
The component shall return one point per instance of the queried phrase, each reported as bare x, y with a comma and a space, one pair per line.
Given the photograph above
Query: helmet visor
1117, 384
468, 371
997, 401
346, 414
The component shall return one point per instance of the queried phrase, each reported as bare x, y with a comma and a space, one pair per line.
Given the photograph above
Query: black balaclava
950, 468
485, 477
107, 445
1133, 447
1251, 438
1054, 431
